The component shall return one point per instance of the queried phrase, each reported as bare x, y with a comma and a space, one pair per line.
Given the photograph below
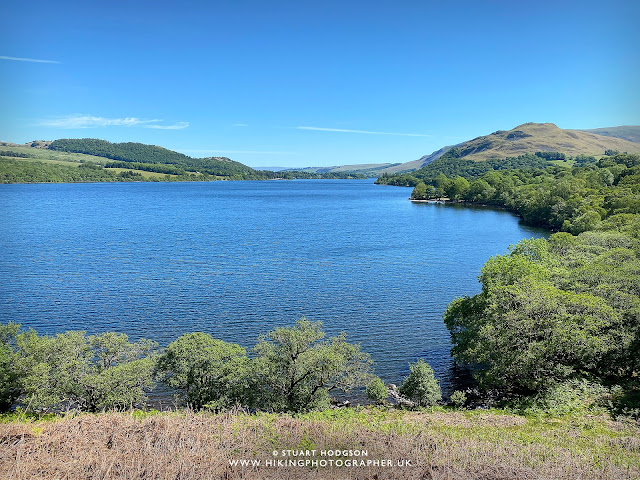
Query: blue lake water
236, 259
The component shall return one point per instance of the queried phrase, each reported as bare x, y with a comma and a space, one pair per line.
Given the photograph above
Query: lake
236, 259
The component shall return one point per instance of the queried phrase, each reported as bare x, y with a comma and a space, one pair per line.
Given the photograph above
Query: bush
205, 370
296, 368
377, 391
458, 398
419, 192
10, 388
88, 373
421, 386
568, 398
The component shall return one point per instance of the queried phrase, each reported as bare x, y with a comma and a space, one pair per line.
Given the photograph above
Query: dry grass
440, 445
546, 136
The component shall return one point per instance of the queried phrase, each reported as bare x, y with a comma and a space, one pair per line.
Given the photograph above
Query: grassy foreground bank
439, 444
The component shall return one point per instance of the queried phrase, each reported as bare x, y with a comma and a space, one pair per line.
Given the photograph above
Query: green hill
545, 137
94, 160
530, 145
527, 138
145, 155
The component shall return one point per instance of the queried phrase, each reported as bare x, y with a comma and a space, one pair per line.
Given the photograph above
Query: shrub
296, 368
568, 398
205, 371
10, 388
421, 386
88, 373
377, 391
458, 398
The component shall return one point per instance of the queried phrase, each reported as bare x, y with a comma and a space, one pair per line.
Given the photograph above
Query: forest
151, 158
557, 321
126, 162
451, 165
557, 317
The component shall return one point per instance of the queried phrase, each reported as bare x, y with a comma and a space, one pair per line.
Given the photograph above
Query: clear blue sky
370, 81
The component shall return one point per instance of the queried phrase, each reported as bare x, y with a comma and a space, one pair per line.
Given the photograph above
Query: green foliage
572, 397
581, 160
10, 389
458, 398
419, 192
205, 370
551, 155
296, 368
457, 188
16, 171
152, 158
90, 373
554, 311
421, 386
9, 153
452, 166
377, 391
574, 200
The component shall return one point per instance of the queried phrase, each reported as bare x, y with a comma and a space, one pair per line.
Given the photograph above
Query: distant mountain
273, 169
369, 169
525, 138
421, 162
376, 169
626, 132
545, 137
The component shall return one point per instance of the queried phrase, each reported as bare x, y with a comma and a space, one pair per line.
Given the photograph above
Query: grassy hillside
526, 138
367, 169
439, 444
93, 160
421, 162
26, 164
626, 132
546, 137
146, 155
45, 155
377, 169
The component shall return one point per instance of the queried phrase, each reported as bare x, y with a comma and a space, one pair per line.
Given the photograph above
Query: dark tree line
451, 166
557, 197
151, 158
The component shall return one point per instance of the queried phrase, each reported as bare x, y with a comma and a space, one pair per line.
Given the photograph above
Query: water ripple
236, 259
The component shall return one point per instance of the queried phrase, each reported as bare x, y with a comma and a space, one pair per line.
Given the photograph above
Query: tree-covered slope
451, 165
150, 154
59, 161
559, 315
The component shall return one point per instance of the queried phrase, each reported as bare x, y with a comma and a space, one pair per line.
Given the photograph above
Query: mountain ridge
528, 137
546, 137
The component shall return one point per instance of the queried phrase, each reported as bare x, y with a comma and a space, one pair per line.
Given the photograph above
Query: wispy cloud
91, 121
240, 125
175, 126
368, 132
33, 60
